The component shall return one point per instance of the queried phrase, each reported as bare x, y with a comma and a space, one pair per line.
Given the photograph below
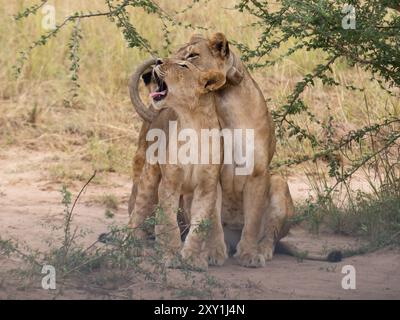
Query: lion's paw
138, 242
171, 261
267, 253
217, 255
194, 260
249, 257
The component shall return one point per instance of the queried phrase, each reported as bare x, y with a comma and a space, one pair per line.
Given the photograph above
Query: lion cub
188, 91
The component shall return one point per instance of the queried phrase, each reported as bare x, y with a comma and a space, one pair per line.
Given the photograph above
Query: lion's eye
192, 55
183, 65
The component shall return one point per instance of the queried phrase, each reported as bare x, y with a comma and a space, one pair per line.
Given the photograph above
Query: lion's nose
159, 62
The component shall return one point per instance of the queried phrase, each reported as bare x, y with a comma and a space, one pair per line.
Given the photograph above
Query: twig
67, 242
80, 192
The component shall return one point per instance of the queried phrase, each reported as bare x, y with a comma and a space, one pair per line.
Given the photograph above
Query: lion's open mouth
162, 89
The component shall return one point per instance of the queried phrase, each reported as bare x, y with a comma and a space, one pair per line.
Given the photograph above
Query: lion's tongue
157, 94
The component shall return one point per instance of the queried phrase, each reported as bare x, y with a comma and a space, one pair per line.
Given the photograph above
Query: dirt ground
30, 202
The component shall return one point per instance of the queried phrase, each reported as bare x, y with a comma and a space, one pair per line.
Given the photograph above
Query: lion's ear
211, 81
219, 45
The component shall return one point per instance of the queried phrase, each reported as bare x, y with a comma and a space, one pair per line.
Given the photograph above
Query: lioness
254, 205
188, 91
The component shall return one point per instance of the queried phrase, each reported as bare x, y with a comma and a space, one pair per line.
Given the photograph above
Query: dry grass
101, 129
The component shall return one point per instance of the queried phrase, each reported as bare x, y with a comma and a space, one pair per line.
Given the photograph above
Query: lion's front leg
167, 230
195, 251
275, 221
217, 251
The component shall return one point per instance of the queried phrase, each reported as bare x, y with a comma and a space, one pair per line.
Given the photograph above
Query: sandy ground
30, 202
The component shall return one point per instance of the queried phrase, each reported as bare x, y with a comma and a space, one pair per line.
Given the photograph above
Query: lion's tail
287, 248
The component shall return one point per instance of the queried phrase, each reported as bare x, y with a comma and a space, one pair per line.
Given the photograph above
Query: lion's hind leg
138, 165
145, 202
275, 224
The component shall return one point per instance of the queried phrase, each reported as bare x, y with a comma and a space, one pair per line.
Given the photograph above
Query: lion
189, 92
257, 207
246, 200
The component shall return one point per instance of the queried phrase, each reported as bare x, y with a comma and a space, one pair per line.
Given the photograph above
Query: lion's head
212, 54
180, 84
207, 54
